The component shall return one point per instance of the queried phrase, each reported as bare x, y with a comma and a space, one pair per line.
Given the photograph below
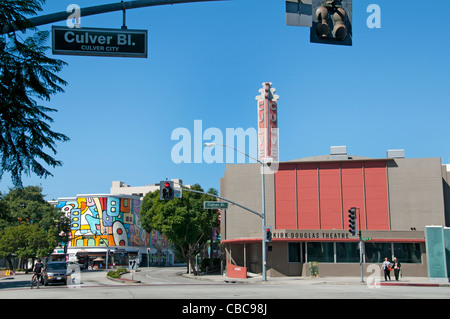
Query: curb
258, 281
414, 284
124, 280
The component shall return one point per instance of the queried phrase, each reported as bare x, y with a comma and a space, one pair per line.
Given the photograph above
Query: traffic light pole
263, 217
119, 6
360, 245
263, 205
224, 199
353, 229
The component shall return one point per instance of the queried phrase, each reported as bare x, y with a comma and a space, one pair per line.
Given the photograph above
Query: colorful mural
114, 220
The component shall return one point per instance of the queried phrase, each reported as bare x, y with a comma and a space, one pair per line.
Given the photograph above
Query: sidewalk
338, 280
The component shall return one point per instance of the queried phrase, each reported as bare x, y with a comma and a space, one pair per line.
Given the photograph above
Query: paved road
166, 283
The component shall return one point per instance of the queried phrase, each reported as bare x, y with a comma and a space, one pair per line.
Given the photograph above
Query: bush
313, 269
113, 274
116, 273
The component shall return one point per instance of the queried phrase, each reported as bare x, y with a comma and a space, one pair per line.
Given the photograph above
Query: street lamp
105, 232
263, 215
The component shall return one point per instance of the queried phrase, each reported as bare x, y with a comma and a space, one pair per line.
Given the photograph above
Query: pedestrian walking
396, 266
387, 269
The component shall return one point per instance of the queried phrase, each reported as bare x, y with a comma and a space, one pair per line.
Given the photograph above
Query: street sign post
99, 42
215, 205
132, 266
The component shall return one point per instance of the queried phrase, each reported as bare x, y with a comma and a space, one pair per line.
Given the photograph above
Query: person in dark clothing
396, 266
37, 271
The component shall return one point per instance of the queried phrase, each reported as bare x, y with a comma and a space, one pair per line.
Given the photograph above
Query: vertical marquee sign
267, 123
99, 42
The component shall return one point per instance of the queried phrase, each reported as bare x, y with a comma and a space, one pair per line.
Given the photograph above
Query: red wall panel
353, 190
285, 197
325, 192
330, 196
308, 196
376, 195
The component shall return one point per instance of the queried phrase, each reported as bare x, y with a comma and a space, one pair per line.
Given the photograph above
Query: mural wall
95, 221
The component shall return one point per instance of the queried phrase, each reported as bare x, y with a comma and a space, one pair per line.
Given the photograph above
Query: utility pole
119, 6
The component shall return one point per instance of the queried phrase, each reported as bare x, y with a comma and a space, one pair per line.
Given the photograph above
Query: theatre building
307, 202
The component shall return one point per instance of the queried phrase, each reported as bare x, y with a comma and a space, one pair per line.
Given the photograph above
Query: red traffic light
167, 191
268, 236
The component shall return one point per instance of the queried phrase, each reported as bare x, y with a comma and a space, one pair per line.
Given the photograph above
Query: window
408, 253
294, 253
376, 252
320, 252
347, 252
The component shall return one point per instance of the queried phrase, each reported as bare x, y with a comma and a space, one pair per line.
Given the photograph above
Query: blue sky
207, 62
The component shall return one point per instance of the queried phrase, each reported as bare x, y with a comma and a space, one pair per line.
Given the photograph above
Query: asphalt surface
166, 275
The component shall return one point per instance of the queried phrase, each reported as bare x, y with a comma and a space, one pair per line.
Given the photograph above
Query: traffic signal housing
352, 221
268, 234
166, 191
299, 13
332, 22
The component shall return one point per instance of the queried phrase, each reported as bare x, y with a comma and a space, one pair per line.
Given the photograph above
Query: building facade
307, 203
106, 229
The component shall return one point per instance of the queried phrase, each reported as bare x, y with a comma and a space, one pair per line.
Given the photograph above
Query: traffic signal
166, 191
352, 221
299, 13
268, 234
332, 22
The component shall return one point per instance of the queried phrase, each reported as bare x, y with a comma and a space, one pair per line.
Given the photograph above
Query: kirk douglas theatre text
99, 42
295, 234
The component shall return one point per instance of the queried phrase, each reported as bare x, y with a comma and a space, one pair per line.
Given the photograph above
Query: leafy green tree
26, 241
27, 76
27, 205
29, 226
184, 221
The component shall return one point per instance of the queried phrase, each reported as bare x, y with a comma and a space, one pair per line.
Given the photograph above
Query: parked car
56, 272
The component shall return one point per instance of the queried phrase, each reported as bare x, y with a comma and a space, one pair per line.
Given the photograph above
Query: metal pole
263, 208
361, 258
119, 6
263, 239
107, 256
124, 26
360, 245
224, 199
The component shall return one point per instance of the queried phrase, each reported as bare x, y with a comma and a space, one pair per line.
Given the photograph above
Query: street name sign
99, 42
215, 205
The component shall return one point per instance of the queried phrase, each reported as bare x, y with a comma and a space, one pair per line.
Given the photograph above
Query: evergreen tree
27, 77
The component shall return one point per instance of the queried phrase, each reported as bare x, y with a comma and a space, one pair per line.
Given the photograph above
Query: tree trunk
192, 264
10, 263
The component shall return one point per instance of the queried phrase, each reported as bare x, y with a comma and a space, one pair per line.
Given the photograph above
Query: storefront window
376, 252
320, 252
347, 252
294, 253
120, 259
408, 253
